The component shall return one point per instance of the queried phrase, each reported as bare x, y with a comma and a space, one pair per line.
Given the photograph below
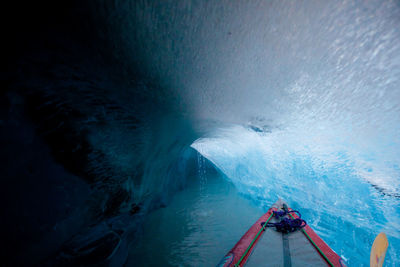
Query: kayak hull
269, 247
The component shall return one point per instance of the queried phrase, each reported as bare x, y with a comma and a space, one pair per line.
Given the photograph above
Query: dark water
200, 224
106, 105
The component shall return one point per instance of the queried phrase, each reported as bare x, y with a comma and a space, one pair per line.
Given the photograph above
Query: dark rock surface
83, 140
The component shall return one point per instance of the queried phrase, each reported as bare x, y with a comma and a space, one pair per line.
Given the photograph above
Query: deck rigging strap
286, 225
287, 259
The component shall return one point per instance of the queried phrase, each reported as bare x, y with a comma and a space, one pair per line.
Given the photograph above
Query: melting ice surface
318, 83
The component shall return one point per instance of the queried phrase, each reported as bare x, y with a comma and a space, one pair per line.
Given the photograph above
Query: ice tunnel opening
108, 103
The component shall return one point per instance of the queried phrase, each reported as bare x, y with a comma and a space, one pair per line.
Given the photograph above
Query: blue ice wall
329, 187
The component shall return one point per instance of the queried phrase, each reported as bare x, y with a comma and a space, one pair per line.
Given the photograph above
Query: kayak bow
296, 244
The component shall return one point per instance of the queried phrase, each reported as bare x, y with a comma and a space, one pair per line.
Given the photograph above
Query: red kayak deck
300, 248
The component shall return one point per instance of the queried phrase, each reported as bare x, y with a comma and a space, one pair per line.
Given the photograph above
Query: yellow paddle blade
378, 250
